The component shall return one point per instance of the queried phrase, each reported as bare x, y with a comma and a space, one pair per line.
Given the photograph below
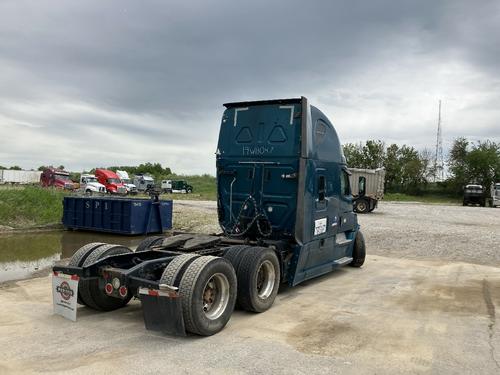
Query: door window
345, 188
321, 188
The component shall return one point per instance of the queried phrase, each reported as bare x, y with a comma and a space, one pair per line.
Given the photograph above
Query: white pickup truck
89, 185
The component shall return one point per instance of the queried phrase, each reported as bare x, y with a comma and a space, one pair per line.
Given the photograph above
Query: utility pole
439, 159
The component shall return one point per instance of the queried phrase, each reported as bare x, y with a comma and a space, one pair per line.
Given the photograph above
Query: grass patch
430, 198
30, 206
204, 187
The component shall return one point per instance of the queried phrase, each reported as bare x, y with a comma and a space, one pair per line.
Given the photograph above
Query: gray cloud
124, 82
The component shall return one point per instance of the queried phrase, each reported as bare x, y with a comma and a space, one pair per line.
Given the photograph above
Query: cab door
347, 220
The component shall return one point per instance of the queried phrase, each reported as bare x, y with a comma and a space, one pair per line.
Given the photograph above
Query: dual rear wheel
210, 286
90, 292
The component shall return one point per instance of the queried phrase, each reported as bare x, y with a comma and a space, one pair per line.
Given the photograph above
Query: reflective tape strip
158, 293
65, 276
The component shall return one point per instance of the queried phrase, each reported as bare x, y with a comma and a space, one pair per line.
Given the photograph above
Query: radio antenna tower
439, 160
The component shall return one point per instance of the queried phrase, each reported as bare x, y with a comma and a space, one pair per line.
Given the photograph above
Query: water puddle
22, 255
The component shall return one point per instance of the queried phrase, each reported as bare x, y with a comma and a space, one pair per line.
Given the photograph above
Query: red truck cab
110, 179
56, 178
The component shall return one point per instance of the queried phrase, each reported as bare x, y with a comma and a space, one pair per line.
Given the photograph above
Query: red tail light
108, 288
123, 291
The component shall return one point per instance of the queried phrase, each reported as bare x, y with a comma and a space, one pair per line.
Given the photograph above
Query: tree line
414, 172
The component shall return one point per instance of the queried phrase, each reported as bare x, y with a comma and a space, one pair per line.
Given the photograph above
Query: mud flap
162, 310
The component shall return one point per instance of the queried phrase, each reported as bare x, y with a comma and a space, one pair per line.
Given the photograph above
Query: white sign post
65, 294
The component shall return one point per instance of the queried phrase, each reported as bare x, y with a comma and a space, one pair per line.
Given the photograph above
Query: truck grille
121, 190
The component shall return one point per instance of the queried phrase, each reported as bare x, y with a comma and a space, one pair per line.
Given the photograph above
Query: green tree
457, 163
354, 155
373, 154
370, 155
483, 163
473, 163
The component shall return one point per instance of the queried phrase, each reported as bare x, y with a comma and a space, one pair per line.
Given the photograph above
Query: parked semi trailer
367, 188
285, 209
10, 176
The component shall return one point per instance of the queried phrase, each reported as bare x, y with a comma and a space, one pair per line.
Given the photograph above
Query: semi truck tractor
111, 181
144, 183
367, 188
131, 188
494, 198
56, 178
176, 186
89, 185
285, 212
474, 194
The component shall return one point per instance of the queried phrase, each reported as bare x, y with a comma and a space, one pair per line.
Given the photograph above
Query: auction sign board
65, 294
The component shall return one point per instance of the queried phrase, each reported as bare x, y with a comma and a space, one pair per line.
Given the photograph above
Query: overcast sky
97, 83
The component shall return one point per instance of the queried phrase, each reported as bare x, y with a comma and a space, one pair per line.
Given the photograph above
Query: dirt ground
425, 302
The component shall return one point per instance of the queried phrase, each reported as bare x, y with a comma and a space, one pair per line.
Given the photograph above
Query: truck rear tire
234, 254
79, 257
149, 242
361, 206
359, 251
94, 296
172, 273
258, 279
208, 291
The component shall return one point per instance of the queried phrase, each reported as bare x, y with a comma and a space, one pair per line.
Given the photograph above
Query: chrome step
341, 240
343, 261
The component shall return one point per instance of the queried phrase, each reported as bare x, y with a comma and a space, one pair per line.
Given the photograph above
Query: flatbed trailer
285, 209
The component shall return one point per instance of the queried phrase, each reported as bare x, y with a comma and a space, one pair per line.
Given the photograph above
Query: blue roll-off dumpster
117, 215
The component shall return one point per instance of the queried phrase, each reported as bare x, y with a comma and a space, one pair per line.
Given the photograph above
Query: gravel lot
419, 231
401, 230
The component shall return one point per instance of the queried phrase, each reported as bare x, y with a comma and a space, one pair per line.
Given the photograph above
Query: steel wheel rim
215, 296
265, 279
361, 206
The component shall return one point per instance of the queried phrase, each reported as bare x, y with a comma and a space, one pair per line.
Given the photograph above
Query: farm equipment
367, 188
285, 209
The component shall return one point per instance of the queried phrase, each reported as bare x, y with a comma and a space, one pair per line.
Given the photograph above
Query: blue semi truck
285, 210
